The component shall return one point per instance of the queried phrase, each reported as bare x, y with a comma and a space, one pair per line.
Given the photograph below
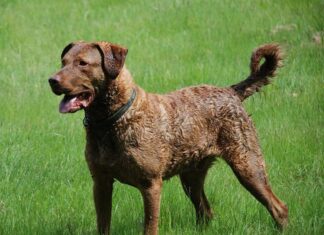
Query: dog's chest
118, 162
107, 155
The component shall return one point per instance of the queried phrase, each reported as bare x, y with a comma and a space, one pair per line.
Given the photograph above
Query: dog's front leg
151, 196
102, 192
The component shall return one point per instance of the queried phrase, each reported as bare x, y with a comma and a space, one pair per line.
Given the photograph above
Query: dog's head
86, 69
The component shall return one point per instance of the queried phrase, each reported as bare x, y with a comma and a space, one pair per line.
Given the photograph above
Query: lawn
45, 186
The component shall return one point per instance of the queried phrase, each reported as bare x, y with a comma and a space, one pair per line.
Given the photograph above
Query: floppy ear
113, 58
66, 49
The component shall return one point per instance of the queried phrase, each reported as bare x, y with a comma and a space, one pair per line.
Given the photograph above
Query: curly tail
260, 76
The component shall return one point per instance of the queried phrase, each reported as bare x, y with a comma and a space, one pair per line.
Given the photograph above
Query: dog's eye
83, 63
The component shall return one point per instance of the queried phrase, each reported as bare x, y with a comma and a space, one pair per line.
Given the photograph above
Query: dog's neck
117, 93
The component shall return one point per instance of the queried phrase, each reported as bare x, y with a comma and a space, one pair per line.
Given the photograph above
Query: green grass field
45, 187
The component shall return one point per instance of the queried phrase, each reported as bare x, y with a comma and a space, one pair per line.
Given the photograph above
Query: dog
141, 139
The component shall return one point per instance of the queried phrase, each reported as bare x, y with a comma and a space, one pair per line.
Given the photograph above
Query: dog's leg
243, 154
193, 185
250, 171
102, 192
102, 186
151, 196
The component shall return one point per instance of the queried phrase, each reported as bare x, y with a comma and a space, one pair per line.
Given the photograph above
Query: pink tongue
69, 105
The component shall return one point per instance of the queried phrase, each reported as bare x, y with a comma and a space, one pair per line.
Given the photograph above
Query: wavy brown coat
159, 136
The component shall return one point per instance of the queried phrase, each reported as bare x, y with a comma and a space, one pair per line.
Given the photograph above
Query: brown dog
141, 139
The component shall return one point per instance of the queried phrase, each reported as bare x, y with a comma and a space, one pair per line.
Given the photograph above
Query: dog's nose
53, 81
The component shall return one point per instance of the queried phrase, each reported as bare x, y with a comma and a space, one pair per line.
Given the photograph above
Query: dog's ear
113, 58
66, 49
69, 46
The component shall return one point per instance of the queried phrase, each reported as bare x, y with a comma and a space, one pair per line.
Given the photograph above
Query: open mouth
73, 103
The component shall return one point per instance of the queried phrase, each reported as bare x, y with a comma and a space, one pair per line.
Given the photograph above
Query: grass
45, 187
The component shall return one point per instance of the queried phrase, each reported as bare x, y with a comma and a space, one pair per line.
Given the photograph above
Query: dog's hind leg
193, 185
250, 171
242, 152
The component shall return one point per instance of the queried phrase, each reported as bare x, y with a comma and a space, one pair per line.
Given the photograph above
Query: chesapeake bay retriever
141, 138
